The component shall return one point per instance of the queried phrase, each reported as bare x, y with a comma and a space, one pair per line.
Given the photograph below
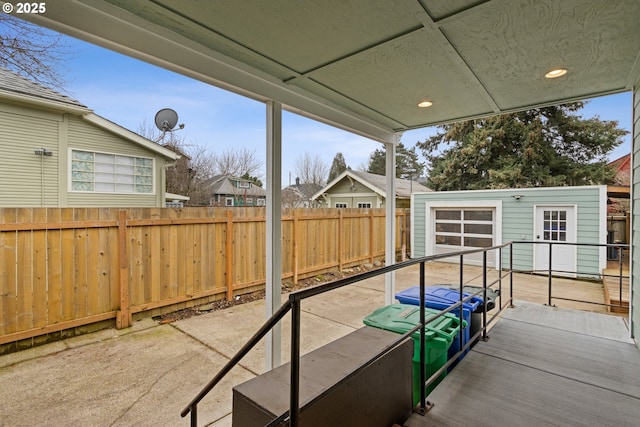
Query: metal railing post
294, 398
461, 316
510, 277
194, 416
484, 295
550, 265
423, 356
620, 280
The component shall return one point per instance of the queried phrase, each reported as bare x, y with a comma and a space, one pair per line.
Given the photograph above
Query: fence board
40, 307
24, 267
8, 278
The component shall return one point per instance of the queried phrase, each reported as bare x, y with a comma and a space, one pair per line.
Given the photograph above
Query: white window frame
228, 201
431, 206
94, 191
361, 205
261, 202
340, 205
244, 184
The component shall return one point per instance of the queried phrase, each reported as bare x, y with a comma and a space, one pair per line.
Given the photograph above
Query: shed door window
555, 225
464, 228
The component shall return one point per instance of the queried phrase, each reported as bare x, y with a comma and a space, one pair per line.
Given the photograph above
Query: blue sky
129, 92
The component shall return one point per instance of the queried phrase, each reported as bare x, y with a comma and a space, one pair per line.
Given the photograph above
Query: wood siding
64, 268
518, 217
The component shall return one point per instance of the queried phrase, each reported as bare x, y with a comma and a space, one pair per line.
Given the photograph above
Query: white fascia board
131, 136
118, 30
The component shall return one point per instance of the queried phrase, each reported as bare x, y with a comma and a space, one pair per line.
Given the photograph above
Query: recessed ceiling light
558, 72
425, 104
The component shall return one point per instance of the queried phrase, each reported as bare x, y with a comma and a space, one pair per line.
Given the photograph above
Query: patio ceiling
364, 65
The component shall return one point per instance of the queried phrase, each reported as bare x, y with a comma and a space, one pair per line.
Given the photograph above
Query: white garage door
457, 229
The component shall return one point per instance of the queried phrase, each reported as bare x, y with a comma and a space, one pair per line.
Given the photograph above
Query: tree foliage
408, 165
32, 51
550, 146
338, 166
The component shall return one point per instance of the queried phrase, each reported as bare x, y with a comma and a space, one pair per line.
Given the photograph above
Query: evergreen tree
338, 166
550, 146
408, 165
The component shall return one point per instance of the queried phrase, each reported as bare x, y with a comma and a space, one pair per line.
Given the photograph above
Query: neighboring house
461, 220
232, 191
57, 153
299, 195
620, 191
353, 189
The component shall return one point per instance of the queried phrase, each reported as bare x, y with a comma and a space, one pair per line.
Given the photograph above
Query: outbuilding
460, 220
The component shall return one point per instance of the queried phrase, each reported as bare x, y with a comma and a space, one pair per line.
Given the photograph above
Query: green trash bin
439, 335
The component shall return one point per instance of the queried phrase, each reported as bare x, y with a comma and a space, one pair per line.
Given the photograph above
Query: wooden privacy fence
61, 268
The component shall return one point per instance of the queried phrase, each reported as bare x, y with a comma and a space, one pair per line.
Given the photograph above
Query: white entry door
555, 224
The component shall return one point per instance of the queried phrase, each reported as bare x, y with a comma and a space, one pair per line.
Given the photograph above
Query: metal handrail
550, 271
293, 305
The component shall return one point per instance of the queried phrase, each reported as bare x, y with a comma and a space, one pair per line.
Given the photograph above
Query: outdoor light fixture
557, 72
518, 197
425, 104
42, 152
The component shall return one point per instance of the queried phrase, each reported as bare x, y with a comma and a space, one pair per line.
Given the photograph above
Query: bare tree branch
311, 169
33, 52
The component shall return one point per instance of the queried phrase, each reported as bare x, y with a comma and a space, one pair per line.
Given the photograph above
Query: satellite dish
166, 119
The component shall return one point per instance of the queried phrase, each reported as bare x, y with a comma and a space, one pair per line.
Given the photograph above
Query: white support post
390, 223
273, 290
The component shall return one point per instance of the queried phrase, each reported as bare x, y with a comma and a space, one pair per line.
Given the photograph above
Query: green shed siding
28, 180
517, 219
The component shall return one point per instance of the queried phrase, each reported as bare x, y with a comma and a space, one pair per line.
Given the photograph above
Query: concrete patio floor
147, 374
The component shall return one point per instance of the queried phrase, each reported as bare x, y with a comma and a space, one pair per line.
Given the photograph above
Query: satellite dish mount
167, 119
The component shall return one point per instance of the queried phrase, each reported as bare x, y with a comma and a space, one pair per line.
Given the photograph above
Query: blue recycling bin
441, 298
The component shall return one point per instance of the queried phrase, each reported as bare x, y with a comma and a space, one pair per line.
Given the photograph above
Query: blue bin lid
438, 296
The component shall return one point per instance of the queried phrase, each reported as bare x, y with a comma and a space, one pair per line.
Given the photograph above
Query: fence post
229, 254
371, 239
123, 318
340, 239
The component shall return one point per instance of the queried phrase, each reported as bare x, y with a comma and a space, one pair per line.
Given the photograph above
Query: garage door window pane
448, 240
449, 215
446, 227
478, 242
478, 215
478, 228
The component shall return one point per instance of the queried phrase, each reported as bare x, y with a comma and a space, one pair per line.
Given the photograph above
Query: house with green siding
57, 153
460, 220
357, 189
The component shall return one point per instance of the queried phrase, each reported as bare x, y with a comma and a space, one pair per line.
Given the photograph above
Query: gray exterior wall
517, 218
635, 222
34, 181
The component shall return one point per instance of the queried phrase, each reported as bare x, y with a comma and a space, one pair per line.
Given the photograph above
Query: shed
460, 220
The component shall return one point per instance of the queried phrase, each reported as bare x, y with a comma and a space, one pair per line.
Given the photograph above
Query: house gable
36, 120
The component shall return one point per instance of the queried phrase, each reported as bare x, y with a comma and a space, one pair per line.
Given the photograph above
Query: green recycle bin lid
401, 318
